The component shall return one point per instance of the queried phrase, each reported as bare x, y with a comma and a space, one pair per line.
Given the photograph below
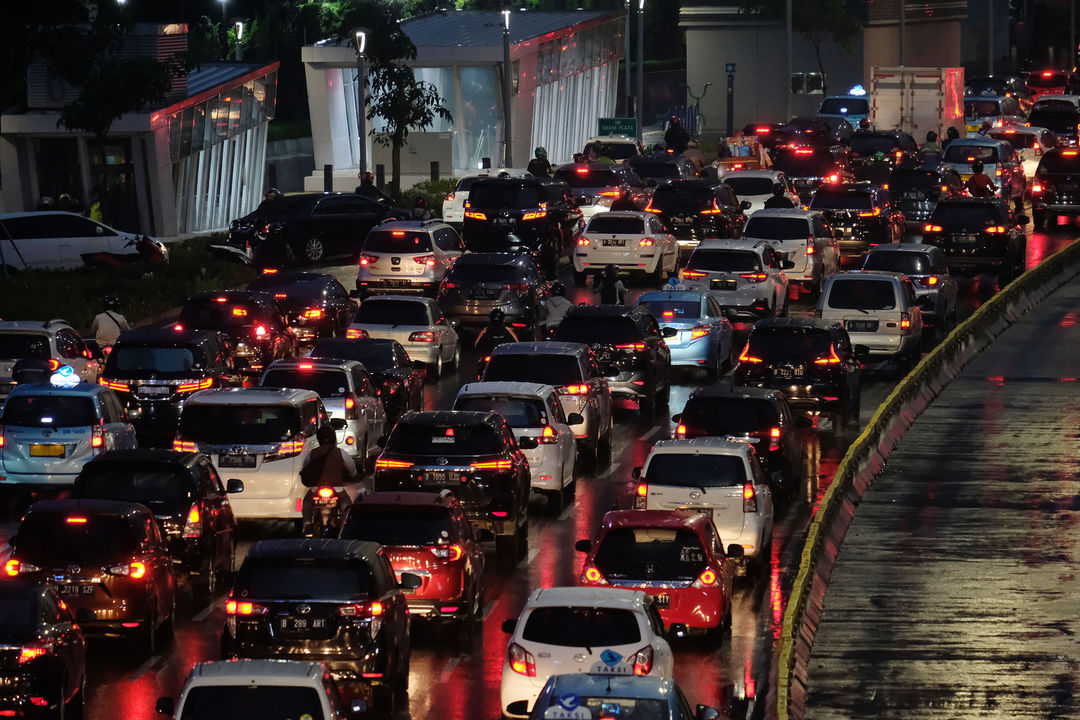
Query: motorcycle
147, 250
327, 507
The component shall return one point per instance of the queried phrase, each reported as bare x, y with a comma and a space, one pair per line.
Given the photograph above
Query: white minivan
57, 240
879, 310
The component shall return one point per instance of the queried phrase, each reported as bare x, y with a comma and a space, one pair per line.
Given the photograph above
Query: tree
403, 102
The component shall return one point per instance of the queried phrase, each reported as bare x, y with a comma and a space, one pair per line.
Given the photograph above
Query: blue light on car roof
857, 90
843, 110
46, 419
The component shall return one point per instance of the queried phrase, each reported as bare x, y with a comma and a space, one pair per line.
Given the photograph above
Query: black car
811, 166
978, 235
186, 496
661, 167
897, 147
153, 370
397, 381
1056, 187
591, 183
811, 361
42, 653
253, 322
335, 600
537, 216
315, 305
917, 188
862, 215
629, 347
475, 456
480, 282
813, 130
1007, 85
725, 410
313, 224
1062, 121
696, 210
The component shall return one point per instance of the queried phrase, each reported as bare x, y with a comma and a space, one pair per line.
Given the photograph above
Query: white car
721, 476
879, 310
57, 240
756, 186
1029, 143
634, 242
453, 207
416, 322
619, 148
532, 410
579, 629
746, 276
805, 238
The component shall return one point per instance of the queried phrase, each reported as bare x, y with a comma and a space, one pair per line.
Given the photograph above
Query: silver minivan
879, 310
407, 256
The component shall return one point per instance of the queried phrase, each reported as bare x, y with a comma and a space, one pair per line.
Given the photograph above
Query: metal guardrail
867, 456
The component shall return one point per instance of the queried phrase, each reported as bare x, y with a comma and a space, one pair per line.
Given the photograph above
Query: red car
675, 556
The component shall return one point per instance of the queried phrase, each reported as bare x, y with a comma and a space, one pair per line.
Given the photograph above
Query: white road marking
489, 607
205, 612
145, 667
566, 512
655, 429
532, 556
448, 669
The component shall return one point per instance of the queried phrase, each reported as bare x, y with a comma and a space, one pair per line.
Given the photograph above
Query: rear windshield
729, 416
693, 470
17, 612
724, 261
903, 179
671, 310
395, 526
374, 355
1019, 141
397, 241
159, 487
630, 708
981, 108
909, 263
789, 344
592, 627
16, 346
49, 411
1061, 121
987, 86
266, 702
597, 329
209, 313
966, 215
1045, 104
777, 228
50, 540
862, 294
501, 195
815, 163
967, 154
844, 106
176, 360
548, 369
593, 176
656, 170
423, 439
243, 424
842, 201
1043, 80
392, 312
745, 186
676, 198
870, 144
327, 383
303, 579
1058, 162
605, 224
615, 150
477, 273
650, 554
519, 412
308, 288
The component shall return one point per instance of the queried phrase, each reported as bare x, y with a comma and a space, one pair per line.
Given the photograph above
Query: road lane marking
448, 669
145, 667
489, 607
566, 512
532, 556
205, 612
646, 436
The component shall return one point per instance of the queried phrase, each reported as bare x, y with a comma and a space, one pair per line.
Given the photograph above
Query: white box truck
917, 100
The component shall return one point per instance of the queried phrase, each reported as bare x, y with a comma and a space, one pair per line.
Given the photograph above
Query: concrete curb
868, 455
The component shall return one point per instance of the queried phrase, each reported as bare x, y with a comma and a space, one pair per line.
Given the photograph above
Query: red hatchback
674, 555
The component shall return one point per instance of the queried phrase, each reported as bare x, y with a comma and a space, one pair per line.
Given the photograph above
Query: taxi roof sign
64, 377
558, 712
618, 668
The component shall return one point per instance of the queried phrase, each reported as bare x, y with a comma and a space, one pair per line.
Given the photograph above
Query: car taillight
932, 228
680, 430
97, 438
1, 437
700, 331
810, 249
631, 346
749, 498
706, 579
550, 436
714, 210
593, 575
610, 193
355, 333
33, 651
243, 607
313, 313
583, 241
905, 323
134, 570
387, 464
450, 197
754, 277
641, 494
287, 449
117, 386
521, 660
366, 260
12, 568
350, 407
1036, 188
260, 331
371, 609
475, 215
643, 660
392, 385
929, 280
184, 446
203, 384
573, 390
450, 553
428, 260
995, 229
871, 213
518, 288
693, 274
651, 209
831, 359
746, 357
424, 336
646, 242
534, 215
492, 465
193, 526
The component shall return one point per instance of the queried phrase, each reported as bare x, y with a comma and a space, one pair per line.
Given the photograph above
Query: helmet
540, 153
110, 302
879, 156
497, 315
977, 166
557, 288
326, 435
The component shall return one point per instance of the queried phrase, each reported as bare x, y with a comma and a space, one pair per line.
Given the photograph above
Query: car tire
1038, 219
506, 550
435, 371
580, 279
147, 634
456, 363
314, 249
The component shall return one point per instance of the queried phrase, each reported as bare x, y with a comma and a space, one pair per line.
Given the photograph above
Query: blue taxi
704, 334
591, 696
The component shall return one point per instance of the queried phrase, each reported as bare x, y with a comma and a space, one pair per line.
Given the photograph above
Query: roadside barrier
867, 456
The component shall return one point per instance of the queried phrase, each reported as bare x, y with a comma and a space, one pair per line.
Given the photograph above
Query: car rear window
736, 261
593, 627
777, 228
266, 702
56, 539
1019, 141
789, 344
303, 579
862, 294
650, 554
397, 241
981, 108
395, 525
1059, 162
696, 470
851, 200
967, 154
17, 612
49, 411
519, 412
239, 424
1046, 80
1051, 104
809, 163
967, 215
605, 224
869, 144
744, 186
670, 310
1062, 121
226, 313
503, 195
327, 382
132, 360
729, 416
592, 329
844, 106
593, 176
909, 263
680, 198
16, 346
477, 273
392, 312
656, 170
904, 179
615, 150
159, 487
548, 369
375, 355
423, 439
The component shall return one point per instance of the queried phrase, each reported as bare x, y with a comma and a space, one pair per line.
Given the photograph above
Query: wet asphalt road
448, 684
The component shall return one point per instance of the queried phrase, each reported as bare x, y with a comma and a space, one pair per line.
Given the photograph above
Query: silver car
744, 275
52, 341
925, 266
804, 237
407, 256
416, 322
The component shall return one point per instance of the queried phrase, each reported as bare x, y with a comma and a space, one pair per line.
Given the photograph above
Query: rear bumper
802, 396
56, 479
695, 354
419, 286
343, 663
265, 508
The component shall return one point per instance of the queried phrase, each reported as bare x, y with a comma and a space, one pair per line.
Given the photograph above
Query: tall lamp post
508, 112
239, 37
640, 64
626, 60
790, 64
359, 43
223, 14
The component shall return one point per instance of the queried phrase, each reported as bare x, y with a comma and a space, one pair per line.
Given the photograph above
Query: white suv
756, 186
746, 276
634, 242
805, 238
879, 310
580, 629
407, 256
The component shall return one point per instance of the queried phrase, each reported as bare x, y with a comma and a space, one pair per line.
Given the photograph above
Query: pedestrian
109, 323
611, 288
367, 189
676, 138
95, 210
979, 184
539, 165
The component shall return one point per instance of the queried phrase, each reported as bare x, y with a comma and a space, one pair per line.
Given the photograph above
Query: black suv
863, 215
810, 167
153, 370
397, 381
522, 214
979, 235
253, 322
629, 347
591, 183
1056, 187
480, 282
811, 361
897, 146
315, 305
1062, 121
475, 456
661, 167
696, 210
917, 189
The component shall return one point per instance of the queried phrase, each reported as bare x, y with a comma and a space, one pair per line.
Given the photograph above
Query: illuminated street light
360, 44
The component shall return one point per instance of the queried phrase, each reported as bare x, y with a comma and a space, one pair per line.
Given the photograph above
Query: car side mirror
410, 581
677, 418
165, 706
735, 551
485, 535
355, 294
862, 353
706, 712
574, 419
583, 546
1023, 220
745, 204
518, 707
339, 423
787, 264
99, 230
234, 486
636, 472
508, 625
528, 443
669, 332
381, 442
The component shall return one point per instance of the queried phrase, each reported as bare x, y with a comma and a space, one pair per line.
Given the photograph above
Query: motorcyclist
779, 199
676, 138
109, 323
931, 145
327, 466
979, 184
539, 165
950, 135
367, 189
611, 288
494, 333
625, 201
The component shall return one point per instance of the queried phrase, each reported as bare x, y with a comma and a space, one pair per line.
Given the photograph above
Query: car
897, 146
935, 289
879, 310
453, 207
999, 160
259, 435
1056, 102
1030, 144
398, 383
673, 555
998, 109
1055, 189
1007, 85
737, 409
480, 282
746, 276
863, 216
417, 323
579, 629
633, 242
407, 256
475, 456
629, 348
623, 694
44, 668
620, 148
1048, 82
187, 497
153, 370
252, 322
1060, 120
428, 535
58, 240
848, 108
596, 185
979, 235
809, 167
530, 215
811, 362
315, 305
313, 224
108, 561
805, 237
815, 130
658, 168
697, 210
573, 370
714, 475
261, 688
916, 190
756, 187
532, 410
48, 431
347, 392
704, 336
334, 599
53, 342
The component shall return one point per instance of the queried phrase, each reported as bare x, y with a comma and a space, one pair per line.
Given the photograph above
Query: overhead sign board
617, 126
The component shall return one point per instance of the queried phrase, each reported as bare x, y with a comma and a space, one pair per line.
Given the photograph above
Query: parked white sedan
634, 242
416, 322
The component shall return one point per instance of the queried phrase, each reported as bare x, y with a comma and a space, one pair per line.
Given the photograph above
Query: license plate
783, 372
47, 451
437, 478
300, 624
724, 284
914, 196
663, 601
966, 239
612, 242
683, 220
154, 390
397, 282
502, 221
861, 325
483, 294
237, 461
76, 590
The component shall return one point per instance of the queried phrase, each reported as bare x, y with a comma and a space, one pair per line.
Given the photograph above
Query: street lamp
626, 59
359, 43
223, 13
640, 64
508, 112
239, 36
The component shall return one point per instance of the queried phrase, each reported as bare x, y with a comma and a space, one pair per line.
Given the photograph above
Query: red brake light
693, 274
549, 436
236, 607
646, 242
700, 331
581, 170
382, 464
631, 346
754, 277
11, 568
810, 248
428, 260
326, 493
1047, 73
929, 280
449, 197
193, 526
745, 355
651, 209
425, 336
610, 193
996, 229
931, 228
708, 577
313, 313
369, 259
239, 312
184, 446
774, 432
574, 390
137, 570
450, 553
475, 215
762, 131
643, 660
804, 151
1036, 188
355, 333
583, 241
873, 213
1070, 153
831, 359
260, 331
193, 386
32, 652
521, 660
534, 215
593, 575
117, 386
75, 520
397, 233
492, 465
680, 430
749, 498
